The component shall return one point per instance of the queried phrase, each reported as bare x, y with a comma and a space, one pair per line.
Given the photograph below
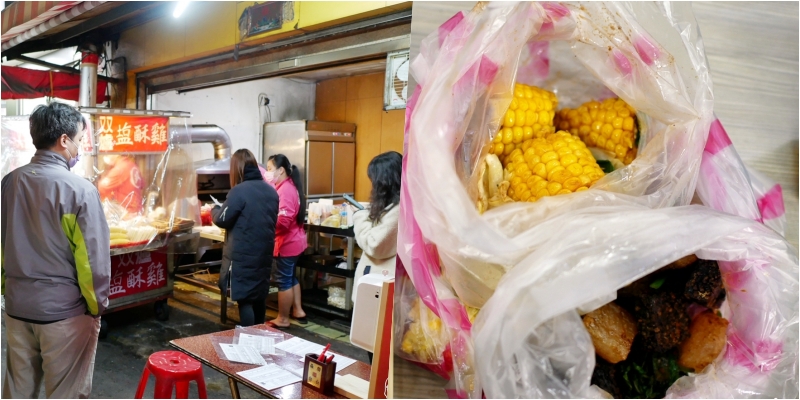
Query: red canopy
23, 83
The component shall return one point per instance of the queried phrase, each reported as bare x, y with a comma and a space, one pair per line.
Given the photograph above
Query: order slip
301, 347
264, 345
242, 354
270, 376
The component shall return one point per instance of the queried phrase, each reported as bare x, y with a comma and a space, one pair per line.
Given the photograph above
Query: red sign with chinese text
132, 134
138, 272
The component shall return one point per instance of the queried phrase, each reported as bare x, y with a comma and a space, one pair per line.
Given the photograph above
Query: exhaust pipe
215, 135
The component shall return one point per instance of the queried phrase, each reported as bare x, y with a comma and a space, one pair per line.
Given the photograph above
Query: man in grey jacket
56, 264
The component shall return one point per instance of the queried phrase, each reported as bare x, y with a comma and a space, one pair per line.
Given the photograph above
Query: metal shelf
330, 231
318, 300
306, 263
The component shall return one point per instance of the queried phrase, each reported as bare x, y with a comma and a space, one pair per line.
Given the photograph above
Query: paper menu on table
343, 362
302, 347
297, 371
242, 354
264, 345
270, 376
299, 346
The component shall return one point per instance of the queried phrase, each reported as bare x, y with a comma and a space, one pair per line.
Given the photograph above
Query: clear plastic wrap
726, 184
574, 266
648, 54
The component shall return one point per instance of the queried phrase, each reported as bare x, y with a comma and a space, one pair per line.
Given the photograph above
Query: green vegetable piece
606, 166
657, 283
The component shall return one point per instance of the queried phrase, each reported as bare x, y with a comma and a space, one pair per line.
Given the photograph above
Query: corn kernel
550, 165
564, 191
568, 159
498, 148
531, 117
553, 188
527, 132
620, 151
559, 175
627, 124
572, 183
509, 119
520, 118
526, 144
540, 169
549, 156
518, 135
538, 186
527, 92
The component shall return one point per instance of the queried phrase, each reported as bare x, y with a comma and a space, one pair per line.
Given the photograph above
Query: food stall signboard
132, 134
137, 272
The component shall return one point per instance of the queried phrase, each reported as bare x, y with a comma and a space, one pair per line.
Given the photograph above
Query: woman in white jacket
376, 227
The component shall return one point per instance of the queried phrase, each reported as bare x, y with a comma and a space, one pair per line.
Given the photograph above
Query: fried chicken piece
662, 320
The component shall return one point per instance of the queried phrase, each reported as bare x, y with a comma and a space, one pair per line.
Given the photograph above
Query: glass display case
142, 167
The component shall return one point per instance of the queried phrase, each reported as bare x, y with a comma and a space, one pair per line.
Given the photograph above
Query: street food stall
138, 161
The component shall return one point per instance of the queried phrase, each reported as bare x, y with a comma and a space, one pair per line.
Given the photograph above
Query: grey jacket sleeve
89, 237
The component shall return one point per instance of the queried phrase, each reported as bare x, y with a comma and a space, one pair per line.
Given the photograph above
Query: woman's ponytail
297, 179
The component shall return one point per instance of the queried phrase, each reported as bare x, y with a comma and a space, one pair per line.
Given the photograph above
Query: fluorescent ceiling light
179, 8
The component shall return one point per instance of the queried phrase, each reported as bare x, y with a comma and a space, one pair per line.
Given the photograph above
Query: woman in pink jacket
290, 237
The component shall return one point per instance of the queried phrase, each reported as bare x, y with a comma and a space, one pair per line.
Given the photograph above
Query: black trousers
252, 312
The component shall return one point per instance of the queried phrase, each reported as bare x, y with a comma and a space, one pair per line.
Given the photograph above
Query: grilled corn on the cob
529, 116
609, 125
425, 337
557, 164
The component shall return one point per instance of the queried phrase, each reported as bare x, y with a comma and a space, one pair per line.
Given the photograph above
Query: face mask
72, 161
269, 176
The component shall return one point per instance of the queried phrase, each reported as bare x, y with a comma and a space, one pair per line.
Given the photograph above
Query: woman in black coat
248, 217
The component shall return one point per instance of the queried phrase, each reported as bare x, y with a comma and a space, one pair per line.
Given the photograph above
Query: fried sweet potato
612, 330
706, 340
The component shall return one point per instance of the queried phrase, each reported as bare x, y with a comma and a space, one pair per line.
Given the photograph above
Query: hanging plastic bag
465, 87
456, 257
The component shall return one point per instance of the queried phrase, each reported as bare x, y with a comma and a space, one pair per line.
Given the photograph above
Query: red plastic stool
172, 369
